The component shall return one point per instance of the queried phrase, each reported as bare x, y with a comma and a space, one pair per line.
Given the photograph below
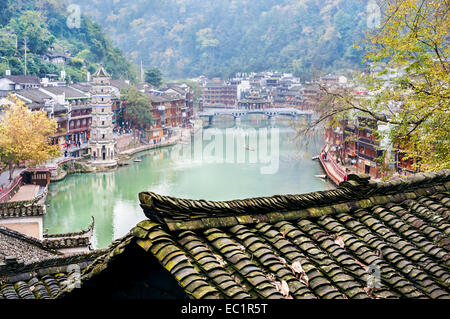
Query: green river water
112, 197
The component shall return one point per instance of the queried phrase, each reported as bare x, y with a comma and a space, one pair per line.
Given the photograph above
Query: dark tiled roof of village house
316, 245
21, 209
172, 96
177, 89
43, 279
156, 98
23, 79
70, 93
24, 249
35, 95
70, 240
119, 84
82, 86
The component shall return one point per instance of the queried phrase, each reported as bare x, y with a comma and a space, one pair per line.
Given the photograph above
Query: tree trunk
12, 167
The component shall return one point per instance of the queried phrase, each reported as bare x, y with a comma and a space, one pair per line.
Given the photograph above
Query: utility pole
25, 55
16, 43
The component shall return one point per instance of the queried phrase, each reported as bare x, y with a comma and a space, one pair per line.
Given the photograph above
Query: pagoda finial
101, 72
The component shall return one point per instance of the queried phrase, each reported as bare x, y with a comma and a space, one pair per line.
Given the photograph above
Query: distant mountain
55, 35
221, 37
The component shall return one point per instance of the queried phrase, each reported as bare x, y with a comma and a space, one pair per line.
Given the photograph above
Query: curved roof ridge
80, 233
357, 187
57, 261
30, 240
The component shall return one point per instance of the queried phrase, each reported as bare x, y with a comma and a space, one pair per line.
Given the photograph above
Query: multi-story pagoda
102, 142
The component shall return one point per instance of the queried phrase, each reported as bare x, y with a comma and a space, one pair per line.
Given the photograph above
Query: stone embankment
72, 165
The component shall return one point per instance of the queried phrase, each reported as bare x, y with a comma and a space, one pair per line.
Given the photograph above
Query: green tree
43, 23
5, 11
409, 82
154, 77
226, 37
31, 25
137, 107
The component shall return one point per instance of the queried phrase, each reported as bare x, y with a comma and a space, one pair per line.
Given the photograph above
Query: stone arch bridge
270, 113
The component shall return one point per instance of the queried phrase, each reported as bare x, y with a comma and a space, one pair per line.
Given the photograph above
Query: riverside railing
9, 191
337, 174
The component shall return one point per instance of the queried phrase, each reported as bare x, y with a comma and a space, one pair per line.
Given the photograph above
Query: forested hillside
221, 37
44, 24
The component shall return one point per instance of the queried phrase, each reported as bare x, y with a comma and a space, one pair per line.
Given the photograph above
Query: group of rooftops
361, 240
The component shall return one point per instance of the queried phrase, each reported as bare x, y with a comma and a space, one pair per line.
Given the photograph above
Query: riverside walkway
332, 169
26, 193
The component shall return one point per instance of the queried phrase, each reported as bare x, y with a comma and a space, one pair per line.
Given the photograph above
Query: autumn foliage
25, 135
408, 83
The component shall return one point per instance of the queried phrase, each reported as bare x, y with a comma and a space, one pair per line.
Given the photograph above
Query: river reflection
112, 197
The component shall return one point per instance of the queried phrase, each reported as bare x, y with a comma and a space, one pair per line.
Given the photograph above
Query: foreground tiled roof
327, 244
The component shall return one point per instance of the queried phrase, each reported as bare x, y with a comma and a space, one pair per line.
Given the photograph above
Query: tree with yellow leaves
25, 135
408, 83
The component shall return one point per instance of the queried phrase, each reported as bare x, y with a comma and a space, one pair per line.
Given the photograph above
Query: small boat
137, 160
315, 157
249, 148
321, 176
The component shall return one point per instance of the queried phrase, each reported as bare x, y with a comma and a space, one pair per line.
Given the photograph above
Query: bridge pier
271, 118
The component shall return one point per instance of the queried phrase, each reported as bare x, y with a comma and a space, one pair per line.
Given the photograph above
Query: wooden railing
336, 174
9, 191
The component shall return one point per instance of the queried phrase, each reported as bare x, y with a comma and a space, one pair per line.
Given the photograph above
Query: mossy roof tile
321, 244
